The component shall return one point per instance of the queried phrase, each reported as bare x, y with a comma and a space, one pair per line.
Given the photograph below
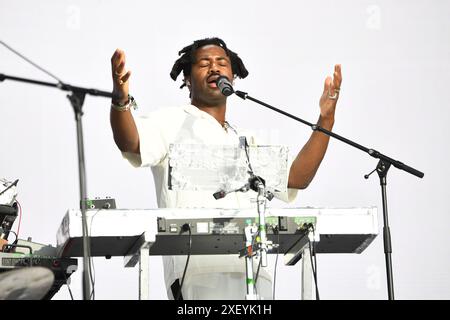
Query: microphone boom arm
382, 168
315, 127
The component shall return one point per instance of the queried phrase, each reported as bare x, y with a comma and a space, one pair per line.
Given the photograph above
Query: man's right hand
2, 243
120, 77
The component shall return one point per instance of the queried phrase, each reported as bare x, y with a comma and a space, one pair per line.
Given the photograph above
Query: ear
187, 80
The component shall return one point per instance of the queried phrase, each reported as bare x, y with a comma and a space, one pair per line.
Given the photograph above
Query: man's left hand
330, 94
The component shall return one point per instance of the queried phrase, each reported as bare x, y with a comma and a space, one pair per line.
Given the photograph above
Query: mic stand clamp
262, 245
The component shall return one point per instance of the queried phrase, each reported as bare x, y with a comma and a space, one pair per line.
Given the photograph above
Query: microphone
254, 181
220, 194
224, 86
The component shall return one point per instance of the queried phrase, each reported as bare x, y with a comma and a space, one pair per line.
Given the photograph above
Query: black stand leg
77, 100
382, 169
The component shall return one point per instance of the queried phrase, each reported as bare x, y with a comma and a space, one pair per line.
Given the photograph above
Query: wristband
131, 103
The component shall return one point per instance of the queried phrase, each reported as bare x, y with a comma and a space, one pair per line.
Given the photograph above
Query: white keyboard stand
131, 233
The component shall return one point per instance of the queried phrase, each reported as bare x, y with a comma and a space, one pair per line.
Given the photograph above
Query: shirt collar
193, 110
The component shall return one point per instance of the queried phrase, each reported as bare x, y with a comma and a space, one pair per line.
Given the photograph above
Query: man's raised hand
120, 77
330, 93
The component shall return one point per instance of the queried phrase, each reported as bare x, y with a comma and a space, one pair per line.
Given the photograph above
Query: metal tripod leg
307, 276
140, 253
144, 273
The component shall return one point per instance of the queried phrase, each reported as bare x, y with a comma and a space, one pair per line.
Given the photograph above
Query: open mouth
212, 81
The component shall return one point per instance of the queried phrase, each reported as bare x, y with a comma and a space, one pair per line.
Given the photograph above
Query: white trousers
221, 286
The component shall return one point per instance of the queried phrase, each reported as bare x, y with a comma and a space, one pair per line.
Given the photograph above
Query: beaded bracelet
131, 103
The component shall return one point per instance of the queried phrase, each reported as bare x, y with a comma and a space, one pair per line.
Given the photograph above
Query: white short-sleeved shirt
190, 125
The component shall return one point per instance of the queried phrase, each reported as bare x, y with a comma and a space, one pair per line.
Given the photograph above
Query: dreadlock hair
188, 53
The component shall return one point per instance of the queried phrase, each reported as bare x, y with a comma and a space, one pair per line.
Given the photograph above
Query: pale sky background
395, 58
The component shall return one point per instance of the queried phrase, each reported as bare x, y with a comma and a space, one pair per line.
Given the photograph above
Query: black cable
91, 260
67, 284
313, 265
185, 227
30, 62
314, 250
70, 291
257, 274
275, 230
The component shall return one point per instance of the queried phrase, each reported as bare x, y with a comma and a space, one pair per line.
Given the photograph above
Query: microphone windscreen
224, 85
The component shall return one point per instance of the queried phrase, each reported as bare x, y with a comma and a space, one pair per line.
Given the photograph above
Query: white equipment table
136, 234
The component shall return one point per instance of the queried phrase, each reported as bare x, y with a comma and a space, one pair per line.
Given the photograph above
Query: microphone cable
184, 228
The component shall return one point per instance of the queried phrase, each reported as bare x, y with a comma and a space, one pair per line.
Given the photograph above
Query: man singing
145, 141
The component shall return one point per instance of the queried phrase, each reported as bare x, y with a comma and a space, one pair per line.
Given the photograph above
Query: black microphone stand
382, 169
76, 97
